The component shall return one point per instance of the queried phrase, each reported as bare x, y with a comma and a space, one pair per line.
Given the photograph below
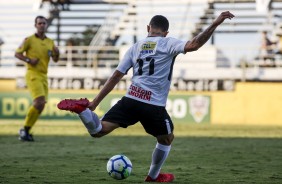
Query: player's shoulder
49, 39
166, 40
171, 39
29, 37
26, 40
156, 41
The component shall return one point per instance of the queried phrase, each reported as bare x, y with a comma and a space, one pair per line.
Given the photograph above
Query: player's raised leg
90, 121
88, 117
74, 105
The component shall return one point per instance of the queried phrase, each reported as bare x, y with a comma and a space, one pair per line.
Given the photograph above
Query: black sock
26, 128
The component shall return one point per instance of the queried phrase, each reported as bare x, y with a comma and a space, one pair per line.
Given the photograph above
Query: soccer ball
119, 167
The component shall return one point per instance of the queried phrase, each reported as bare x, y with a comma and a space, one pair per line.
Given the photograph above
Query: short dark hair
159, 21
39, 17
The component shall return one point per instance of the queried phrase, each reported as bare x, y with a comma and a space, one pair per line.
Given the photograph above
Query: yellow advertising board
250, 103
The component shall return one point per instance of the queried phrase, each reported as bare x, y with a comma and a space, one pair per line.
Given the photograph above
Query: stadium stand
65, 22
16, 22
248, 21
117, 24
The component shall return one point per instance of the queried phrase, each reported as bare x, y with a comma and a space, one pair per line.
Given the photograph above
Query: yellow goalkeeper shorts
37, 84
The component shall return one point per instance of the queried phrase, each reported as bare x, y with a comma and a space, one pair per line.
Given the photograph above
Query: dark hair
159, 21
39, 17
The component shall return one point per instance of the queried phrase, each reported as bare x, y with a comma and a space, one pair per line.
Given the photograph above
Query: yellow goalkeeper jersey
35, 47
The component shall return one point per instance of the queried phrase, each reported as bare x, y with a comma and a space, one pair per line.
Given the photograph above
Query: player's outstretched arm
108, 87
199, 40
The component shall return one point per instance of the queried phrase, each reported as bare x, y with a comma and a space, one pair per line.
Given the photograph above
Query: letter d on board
8, 106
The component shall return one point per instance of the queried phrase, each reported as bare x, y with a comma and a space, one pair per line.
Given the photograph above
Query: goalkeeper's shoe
162, 178
74, 105
25, 136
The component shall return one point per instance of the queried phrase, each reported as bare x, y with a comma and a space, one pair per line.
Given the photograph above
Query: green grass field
64, 153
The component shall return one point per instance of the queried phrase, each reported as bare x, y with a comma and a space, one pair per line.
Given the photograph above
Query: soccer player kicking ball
152, 61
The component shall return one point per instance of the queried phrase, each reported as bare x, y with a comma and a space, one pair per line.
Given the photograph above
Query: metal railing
109, 56
75, 58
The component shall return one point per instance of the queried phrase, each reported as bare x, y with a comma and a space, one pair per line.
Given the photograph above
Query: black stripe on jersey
127, 70
171, 68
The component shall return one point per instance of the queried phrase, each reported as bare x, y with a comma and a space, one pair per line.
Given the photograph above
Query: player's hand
34, 61
55, 54
92, 106
56, 51
222, 17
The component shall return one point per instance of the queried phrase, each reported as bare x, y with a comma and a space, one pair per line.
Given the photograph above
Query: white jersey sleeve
126, 62
152, 62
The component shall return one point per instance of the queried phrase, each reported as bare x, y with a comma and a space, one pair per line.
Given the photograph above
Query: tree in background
84, 38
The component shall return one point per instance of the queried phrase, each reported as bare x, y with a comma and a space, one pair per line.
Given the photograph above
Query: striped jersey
152, 62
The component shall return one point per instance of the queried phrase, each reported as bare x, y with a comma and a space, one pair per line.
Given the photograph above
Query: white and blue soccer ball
119, 167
